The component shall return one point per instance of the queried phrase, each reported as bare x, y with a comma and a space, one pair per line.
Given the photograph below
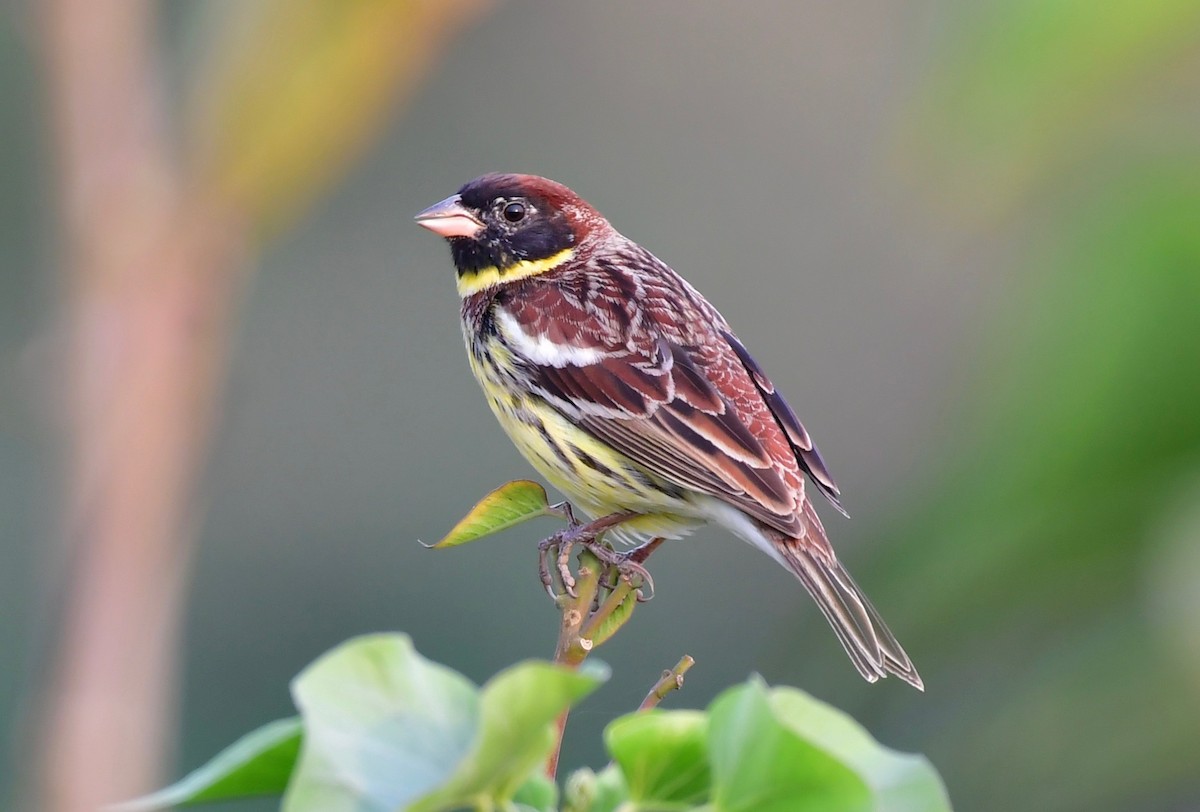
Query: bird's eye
514, 212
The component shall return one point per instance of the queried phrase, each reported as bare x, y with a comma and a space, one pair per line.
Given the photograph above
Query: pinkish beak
450, 218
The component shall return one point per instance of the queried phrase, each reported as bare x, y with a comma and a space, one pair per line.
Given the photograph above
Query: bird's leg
545, 547
562, 545
640, 553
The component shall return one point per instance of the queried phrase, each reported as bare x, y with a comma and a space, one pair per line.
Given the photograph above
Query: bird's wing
806, 451
685, 404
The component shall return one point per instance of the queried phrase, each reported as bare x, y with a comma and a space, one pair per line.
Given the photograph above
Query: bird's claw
564, 568
617, 566
560, 548
625, 566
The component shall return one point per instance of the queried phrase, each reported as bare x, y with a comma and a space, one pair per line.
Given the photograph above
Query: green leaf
784, 750
258, 763
518, 709
663, 756
385, 729
760, 764
507, 506
617, 609
538, 793
382, 726
900, 782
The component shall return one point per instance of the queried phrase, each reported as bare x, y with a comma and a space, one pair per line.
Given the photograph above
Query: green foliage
516, 733
662, 757
384, 729
509, 505
1029, 85
381, 728
759, 765
387, 729
897, 782
1034, 562
777, 750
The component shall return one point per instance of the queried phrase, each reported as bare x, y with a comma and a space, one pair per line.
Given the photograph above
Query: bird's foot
630, 564
621, 566
626, 565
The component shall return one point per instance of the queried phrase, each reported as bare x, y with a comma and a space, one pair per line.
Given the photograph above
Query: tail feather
872, 647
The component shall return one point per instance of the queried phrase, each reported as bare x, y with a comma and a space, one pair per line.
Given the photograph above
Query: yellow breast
595, 477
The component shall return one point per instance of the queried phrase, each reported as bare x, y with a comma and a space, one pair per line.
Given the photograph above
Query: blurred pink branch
148, 287
151, 282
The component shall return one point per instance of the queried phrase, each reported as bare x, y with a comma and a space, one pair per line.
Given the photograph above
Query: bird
620, 383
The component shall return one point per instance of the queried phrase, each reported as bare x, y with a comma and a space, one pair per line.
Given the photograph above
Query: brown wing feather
802, 444
690, 384
672, 395
715, 454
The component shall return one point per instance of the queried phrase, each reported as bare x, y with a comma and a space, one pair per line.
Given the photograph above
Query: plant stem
583, 628
670, 681
572, 649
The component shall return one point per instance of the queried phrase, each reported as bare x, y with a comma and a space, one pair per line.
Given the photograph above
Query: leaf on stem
611, 616
518, 709
783, 751
382, 726
663, 756
385, 729
507, 506
900, 782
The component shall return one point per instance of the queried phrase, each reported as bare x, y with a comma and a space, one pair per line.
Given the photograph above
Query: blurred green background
963, 238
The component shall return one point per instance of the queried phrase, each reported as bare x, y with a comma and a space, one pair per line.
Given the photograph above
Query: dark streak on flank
550, 441
588, 460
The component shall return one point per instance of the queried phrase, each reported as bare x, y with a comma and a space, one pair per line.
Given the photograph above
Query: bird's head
506, 227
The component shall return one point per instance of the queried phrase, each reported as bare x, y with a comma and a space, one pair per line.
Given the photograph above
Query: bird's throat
475, 280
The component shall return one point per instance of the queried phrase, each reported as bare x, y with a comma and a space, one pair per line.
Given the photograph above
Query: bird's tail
871, 645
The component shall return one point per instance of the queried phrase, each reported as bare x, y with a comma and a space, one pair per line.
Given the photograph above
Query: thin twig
572, 649
595, 612
670, 681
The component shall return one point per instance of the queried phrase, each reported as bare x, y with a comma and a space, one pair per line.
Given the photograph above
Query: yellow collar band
484, 278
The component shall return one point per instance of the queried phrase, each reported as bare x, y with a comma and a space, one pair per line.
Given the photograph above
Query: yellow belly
594, 477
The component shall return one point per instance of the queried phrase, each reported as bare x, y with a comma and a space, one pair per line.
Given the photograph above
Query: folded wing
697, 415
